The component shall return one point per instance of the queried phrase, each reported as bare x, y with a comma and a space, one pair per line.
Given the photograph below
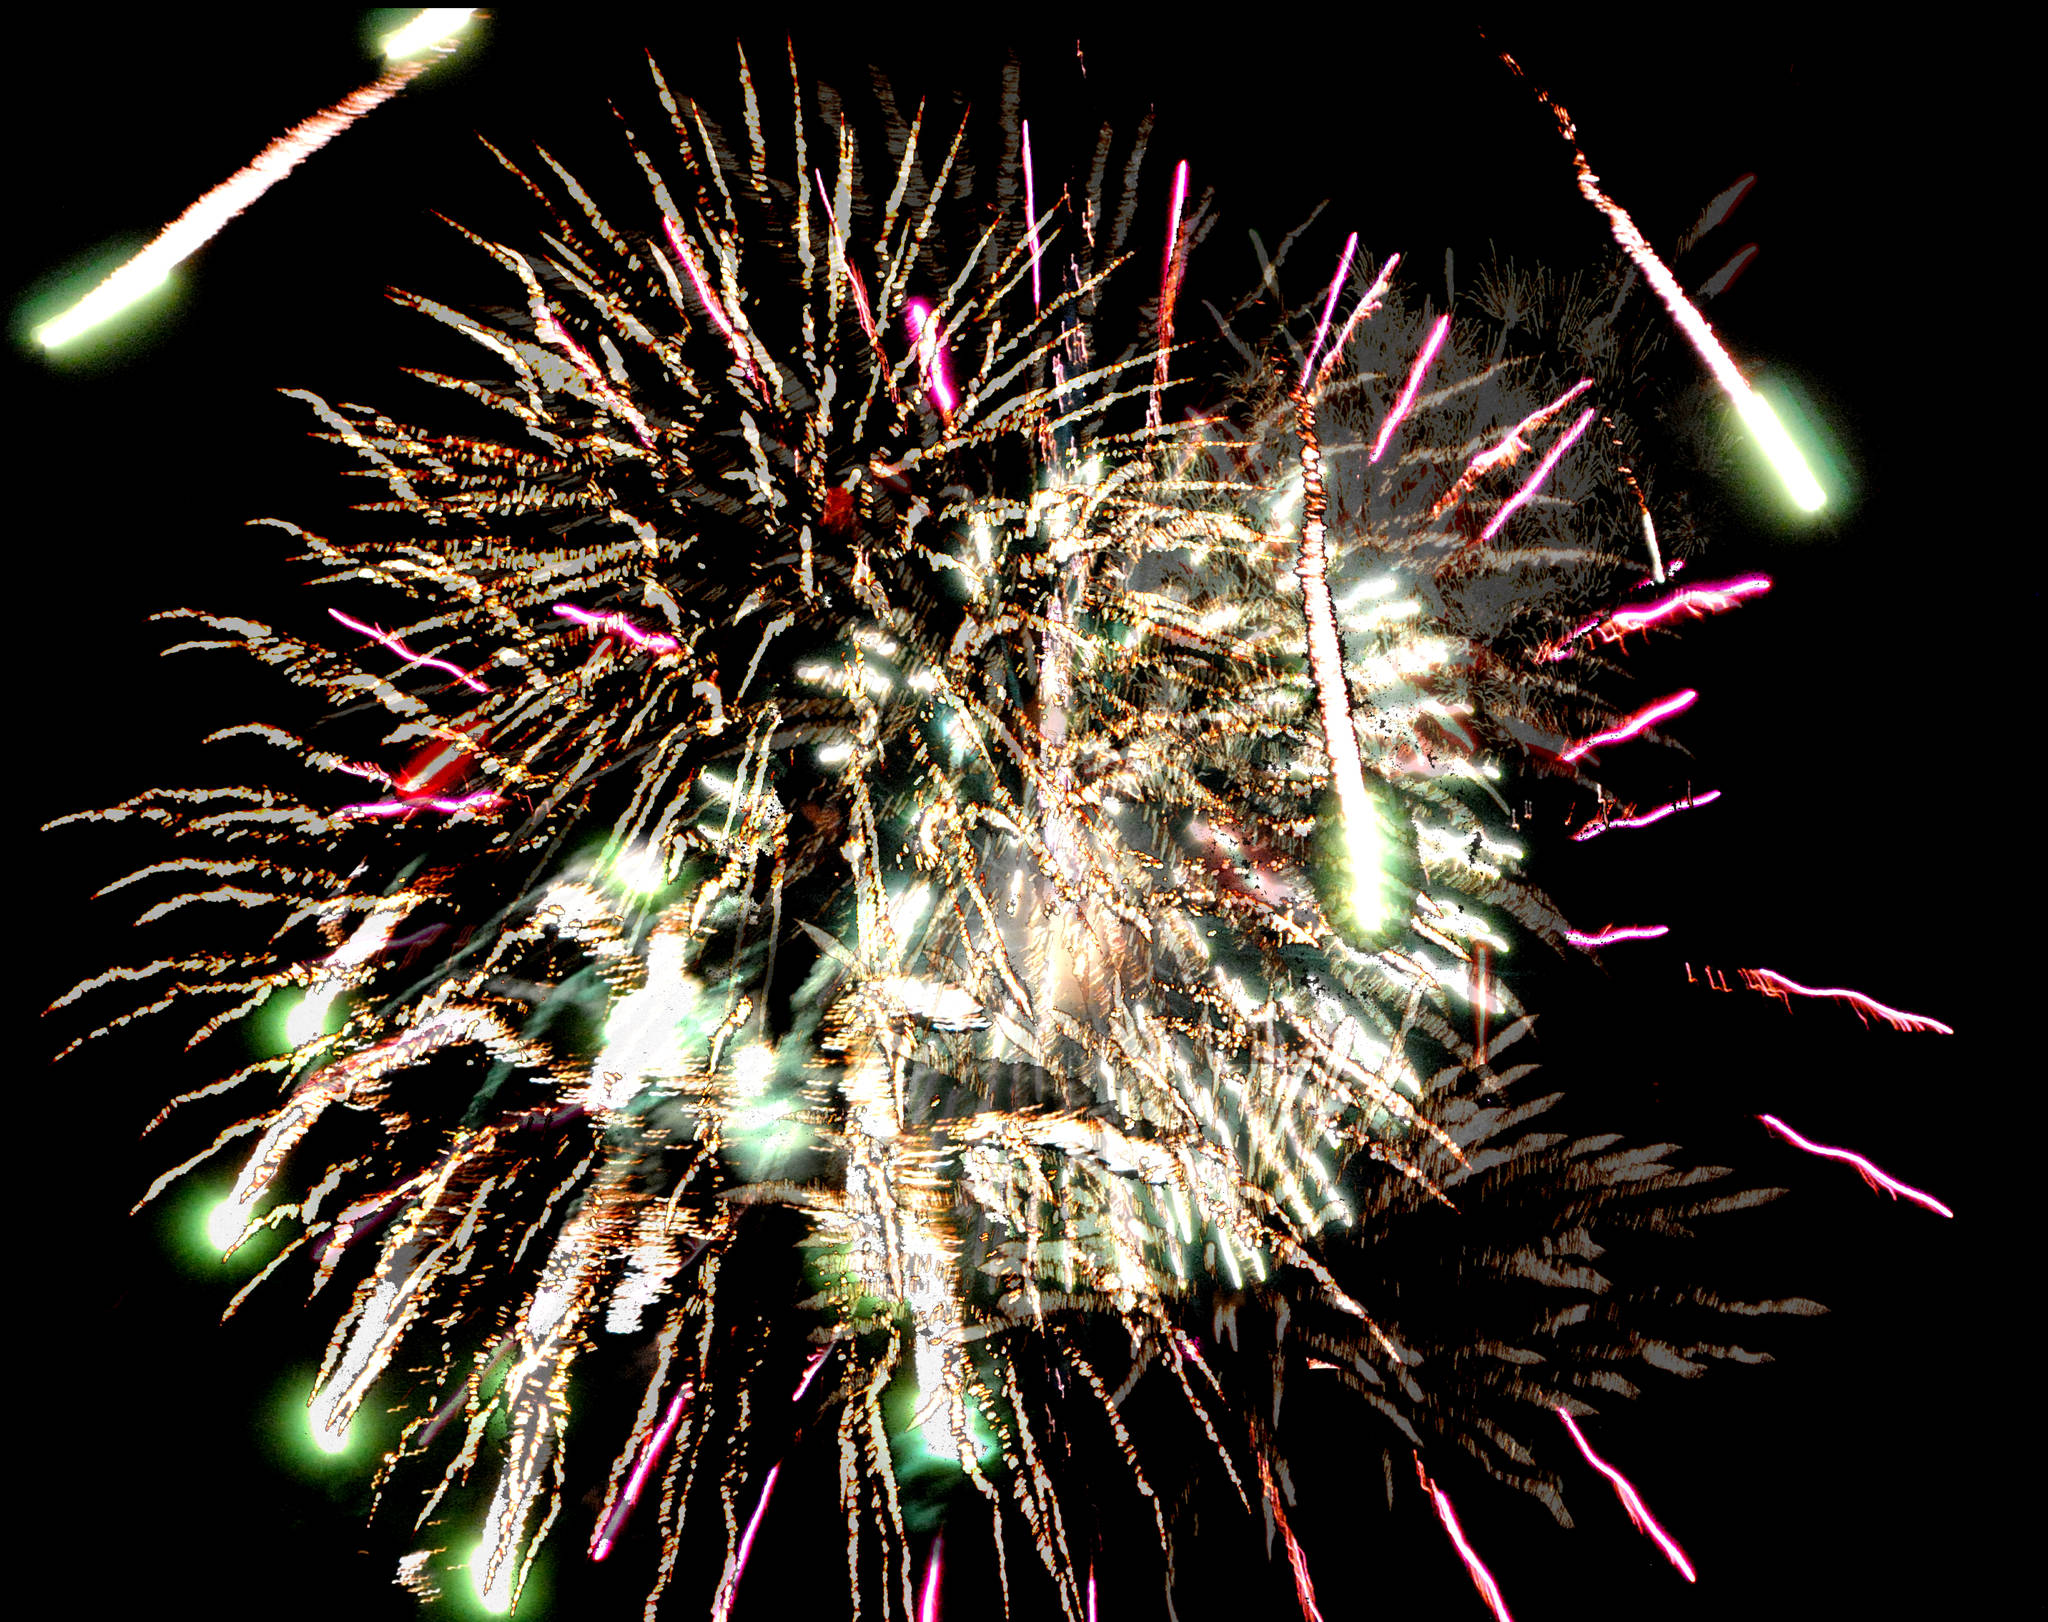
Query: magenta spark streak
1593, 830
1639, 722
1535, 480
405, 653
1694, 600
1773, 984
655, 641
1617, 932
928, 1606
810, 1373
1631, 1500
1482, 1579
1407, 396
1031, 213
602, 1545
1366, 306
1329, 308
721, 1606
1169, 287
712, 305
398, 808
923, 326
1877, 1179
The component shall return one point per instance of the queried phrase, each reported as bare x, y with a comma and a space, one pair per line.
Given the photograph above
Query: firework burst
876, 787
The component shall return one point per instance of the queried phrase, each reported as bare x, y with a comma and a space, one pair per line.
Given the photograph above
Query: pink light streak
482, 799
405, 653
1329, 308
653, 641
602, 1546
1593, 830
1617, 932
1692, 603
1878, 1180
1366, 306
1636, 724
1632, 1501
1169, 287
713, 305
1031, 214
928, 1605
1773, 984
931, 355
552, 331
810, 1374
721, 1605
1535, 480
1482, 1579
1430, 346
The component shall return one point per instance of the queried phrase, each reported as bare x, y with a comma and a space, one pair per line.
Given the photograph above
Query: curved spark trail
655, 641
1593, 830
1879, 1180
467, 679
1631, 1500
1617, 932
1639, 722
1482, 1579
1773, 984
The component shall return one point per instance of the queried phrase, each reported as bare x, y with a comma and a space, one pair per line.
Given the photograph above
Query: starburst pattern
846, 750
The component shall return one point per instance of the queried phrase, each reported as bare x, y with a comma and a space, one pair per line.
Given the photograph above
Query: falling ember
1692, 602
1773, 984
465, 677
1482, 1579
1754, 410
1406, 399
1881, 1181
1631, 1500
482, 800
1635, 724
1617, 932
1594, 829
200, 223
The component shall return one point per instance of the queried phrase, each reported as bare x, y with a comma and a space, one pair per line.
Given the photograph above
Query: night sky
1865, 722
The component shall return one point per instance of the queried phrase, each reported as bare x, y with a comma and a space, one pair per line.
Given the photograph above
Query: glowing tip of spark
1781, 453
126, 286
224, 1224
433, 26
329, 1440
493, 1597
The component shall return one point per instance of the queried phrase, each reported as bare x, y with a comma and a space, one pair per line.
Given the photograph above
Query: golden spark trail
200, 223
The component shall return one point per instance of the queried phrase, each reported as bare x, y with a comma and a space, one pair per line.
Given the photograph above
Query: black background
1866, 722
